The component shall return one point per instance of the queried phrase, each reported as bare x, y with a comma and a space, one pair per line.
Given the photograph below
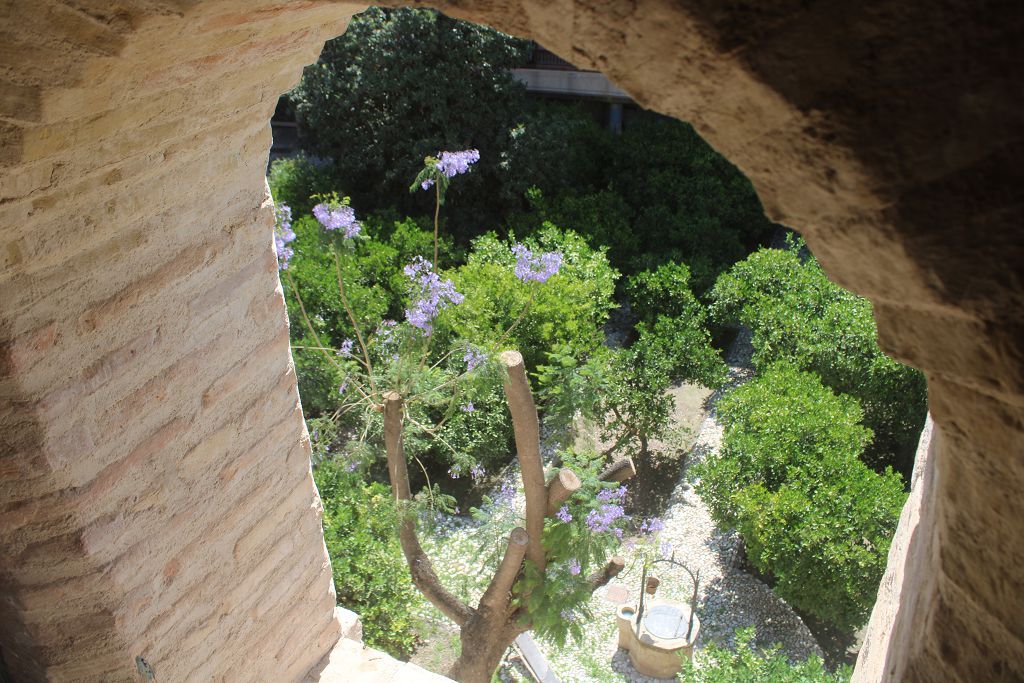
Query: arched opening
135, 345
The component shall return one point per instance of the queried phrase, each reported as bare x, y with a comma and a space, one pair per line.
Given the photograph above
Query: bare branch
560, 489
610, 571
619, 470
423, 574
495, 598
527, 432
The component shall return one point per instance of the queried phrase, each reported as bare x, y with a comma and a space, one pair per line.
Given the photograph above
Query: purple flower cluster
612, 495
346, 348
456, 163
385, 333
283, 234
563, 514
474, 358
455, 471
601, 520
451, 164
340, 217
574, 567
435, 294
535, 267
568, 615
506, 495
476, 472
469, 407
666, 549
652, 525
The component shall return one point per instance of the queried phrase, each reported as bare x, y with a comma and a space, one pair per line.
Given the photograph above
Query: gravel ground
729, 598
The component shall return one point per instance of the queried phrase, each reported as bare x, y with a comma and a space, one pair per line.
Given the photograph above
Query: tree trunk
483, 645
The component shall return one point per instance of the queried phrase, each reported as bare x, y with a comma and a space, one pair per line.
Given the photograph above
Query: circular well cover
667, 621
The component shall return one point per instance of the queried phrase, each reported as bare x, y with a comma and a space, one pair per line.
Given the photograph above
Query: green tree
797, 314
402, 84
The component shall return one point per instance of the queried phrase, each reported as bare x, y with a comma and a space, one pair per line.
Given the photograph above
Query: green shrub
798, 315
789, 478
557, 146
294, 180
690, 203
370, 573
568, 310
746, 664
603, 217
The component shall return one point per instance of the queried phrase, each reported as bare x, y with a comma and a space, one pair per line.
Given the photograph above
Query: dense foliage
568, 311
401, 84
623, 389
797, 314
747, 664
370, 573
663, 194
790, 479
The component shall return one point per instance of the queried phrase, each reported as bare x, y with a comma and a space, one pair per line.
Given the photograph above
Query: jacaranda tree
395, 379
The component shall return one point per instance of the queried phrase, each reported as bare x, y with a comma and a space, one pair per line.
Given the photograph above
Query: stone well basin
662, 645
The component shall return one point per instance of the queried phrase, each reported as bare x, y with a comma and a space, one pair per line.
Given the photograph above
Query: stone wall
155, 495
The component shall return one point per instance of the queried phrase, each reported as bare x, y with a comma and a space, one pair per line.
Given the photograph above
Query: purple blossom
339, 217
568, 615
455, 471
666, 549
563, 514
352, 466
283, 234
574, 567
435, 294
346, 348
474, 358
506, 495
386, 332
536, 268
476, 472
652, 525
468, 408
343, 387
452, 164
427, 184
601, 520
611, 495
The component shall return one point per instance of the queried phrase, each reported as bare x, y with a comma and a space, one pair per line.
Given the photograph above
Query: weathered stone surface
154, 477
